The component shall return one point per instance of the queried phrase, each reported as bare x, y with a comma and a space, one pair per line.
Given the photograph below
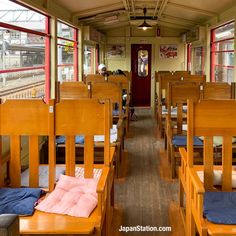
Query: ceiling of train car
109, 14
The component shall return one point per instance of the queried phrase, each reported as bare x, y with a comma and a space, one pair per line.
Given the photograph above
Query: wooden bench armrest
119, 124
103, 179
168, 124
198, 185
120, 132
183, 154
112, 154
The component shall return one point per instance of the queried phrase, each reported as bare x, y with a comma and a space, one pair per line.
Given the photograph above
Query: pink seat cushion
72, 196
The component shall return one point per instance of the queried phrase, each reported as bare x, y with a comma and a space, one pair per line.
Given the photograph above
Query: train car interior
117, 117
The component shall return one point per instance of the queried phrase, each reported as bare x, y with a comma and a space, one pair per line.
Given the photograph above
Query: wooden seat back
95, 78
87, 117
210, 118
74, 90
108, 90
123, 80
212, 90
163, 85
158, 74
182, 72
177, 95
32, 118
194, 78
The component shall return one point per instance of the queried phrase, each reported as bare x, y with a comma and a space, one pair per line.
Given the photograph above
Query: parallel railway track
24, 91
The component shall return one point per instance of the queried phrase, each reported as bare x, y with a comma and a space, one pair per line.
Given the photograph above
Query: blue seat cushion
181, 141
19, 201
220, 207
115, 112
79, 139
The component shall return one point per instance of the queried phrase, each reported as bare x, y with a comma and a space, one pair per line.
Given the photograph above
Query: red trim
63, 45
97, 56
222, 40
15, 27
22, 69
65, 65
71, 40
189, 47
213, 51
219, 65
47, 62
212, 71
76, 64
222, 51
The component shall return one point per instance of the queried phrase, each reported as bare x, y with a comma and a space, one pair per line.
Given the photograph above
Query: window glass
22, 52
222, 53
224, 32
142, 63
198, 61
89, 59
66, 52
15, 14
65, 31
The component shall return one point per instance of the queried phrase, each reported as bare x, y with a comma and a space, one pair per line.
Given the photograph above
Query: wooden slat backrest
179, 92
95, 78
163, 85
108, 90
210, 118
128, 75
194, 78
182, 72
87, 117
160, 73
212, 90
74, 90
123, 80
177, 95
33, 118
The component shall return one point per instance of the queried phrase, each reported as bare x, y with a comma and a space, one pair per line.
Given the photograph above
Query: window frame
213, 51
75, 42
47, 37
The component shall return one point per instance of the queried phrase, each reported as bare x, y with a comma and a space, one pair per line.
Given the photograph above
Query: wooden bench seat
177, 95
208, 118
69, 117
212, 91
99, 90
125, 85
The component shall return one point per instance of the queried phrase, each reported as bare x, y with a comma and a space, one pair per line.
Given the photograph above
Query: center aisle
144, 197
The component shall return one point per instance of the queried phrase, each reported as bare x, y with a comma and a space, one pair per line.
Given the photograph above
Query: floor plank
146, 196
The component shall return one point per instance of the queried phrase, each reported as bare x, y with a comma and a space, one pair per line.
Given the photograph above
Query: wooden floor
146, 196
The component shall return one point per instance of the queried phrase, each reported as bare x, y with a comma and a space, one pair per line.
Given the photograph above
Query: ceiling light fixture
144, 25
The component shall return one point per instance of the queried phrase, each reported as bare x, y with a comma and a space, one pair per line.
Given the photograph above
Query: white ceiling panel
108, 14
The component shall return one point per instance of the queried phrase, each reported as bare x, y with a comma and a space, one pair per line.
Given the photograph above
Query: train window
189, 57
142, 63
222, 53
23, 36
89, 59
198, 61
18, 15
67, 48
